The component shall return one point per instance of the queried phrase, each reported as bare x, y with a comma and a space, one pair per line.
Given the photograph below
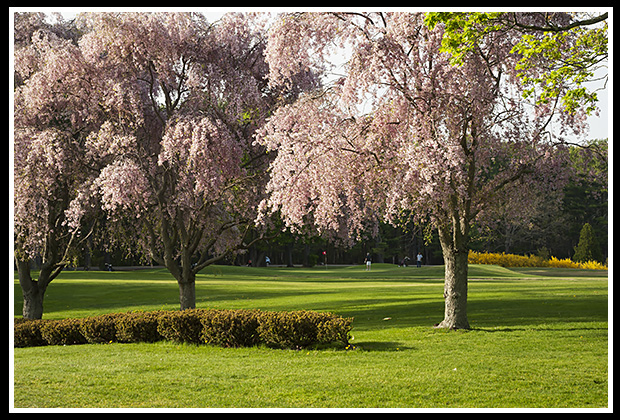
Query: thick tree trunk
33, 303
33, 292
187, 294
455, 252
186, 279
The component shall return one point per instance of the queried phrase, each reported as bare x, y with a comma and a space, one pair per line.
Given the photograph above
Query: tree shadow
382, 346
534, 328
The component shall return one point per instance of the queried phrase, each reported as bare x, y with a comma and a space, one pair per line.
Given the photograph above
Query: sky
599, 126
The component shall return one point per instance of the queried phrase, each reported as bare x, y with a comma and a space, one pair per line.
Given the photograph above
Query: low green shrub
138, 326
100, 329
62, 332
181, 326
288, 329
227, 328
231, 328
299, 329
27, 333
335, 329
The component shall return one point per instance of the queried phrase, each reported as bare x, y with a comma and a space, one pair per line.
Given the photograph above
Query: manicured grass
539, 339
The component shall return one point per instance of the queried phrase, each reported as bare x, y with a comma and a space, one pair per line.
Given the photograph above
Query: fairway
539, 338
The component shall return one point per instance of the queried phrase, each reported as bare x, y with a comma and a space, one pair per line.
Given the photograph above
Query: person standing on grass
419, 259
368, 261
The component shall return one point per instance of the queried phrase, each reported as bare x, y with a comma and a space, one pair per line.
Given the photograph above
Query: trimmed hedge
137, 327
100, 329
226, 328
63, 332
233, 328
27, 333
181, 326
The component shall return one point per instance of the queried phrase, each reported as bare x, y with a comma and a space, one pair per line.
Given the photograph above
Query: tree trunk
187, 294
455, 254
186, 279
31, 290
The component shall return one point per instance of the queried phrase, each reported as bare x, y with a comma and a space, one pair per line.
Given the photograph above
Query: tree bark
455, 253
33, 291
187, 294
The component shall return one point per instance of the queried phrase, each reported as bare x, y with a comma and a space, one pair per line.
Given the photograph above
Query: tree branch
551, 28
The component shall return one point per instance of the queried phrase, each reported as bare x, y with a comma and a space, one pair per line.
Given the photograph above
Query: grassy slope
539, 339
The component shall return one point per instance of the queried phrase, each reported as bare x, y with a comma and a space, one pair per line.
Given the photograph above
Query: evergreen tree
588, 248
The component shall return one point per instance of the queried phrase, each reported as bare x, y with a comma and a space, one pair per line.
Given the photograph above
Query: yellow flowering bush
505, 260
512, 260
593, 265
565, 263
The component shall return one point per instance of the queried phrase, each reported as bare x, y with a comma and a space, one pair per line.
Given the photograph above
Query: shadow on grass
495, 305
382, 346
534, 328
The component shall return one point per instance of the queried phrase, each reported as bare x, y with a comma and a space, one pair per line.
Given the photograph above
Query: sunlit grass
539, 339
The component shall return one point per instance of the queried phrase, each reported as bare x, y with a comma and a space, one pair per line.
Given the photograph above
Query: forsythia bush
512, 260
227, 328
593, 265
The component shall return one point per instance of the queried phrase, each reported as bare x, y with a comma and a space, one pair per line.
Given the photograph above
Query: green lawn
539, 338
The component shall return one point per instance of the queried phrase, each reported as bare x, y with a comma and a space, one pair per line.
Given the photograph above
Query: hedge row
226, 328
512, 260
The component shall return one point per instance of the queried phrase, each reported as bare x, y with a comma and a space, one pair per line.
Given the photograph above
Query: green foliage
138, 326
463, 31
181, 327
62, 332
231, 328
28, 332
553, 62
587, 249
100, 329
568, 58
300, 329
221, 327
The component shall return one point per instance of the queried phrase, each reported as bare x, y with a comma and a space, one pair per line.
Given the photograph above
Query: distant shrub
512, 260
593, 265
505, 260
588, 248
563, 263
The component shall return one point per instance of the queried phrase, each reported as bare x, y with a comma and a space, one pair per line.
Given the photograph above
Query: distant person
404, 262
419, 259
267, 261
368, 261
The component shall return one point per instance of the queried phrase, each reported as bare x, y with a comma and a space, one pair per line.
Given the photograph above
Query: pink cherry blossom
150, 118
441, 144
183, 98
